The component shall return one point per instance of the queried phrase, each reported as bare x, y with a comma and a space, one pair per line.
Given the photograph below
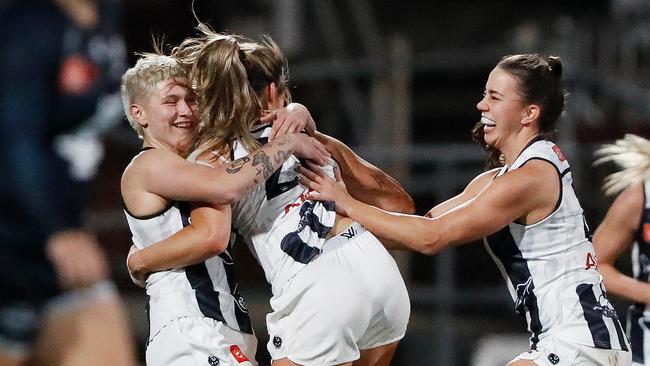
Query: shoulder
532, 180
149, 161
629, 202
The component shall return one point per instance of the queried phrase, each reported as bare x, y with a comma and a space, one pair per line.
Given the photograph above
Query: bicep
174, 178
506, 199
473, 188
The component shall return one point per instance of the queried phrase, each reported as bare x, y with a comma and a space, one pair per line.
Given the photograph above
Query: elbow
216, 242
408, 206
427, 249
429, 245
402, 204
228, 195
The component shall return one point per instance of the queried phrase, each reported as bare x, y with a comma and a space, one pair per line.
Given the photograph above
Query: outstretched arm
207, 235
366, 182
615, 235
474, 187
507, 199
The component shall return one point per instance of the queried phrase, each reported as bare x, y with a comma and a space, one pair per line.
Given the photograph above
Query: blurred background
399, 81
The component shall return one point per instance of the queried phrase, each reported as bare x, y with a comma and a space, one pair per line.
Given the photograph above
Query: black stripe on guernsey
207, 298
505, 248
313, 221
634, 319
272, 185
565, 172
293, 245
593, 314
241, 310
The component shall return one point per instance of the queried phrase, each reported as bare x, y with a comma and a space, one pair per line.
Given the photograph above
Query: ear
138, 114
275, 98
531, 113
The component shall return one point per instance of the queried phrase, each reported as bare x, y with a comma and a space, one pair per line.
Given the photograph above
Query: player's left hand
137, 278
295, 117
322, 187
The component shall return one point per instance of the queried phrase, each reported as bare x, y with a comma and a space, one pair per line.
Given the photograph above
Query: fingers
310, 174
272, 117
322, 155
269, 116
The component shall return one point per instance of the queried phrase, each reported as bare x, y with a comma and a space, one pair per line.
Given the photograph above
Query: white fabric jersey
550, 267
205, 289
638, 315
277, 212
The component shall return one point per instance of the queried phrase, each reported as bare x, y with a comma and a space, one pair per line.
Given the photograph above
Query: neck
512, 151
159, 145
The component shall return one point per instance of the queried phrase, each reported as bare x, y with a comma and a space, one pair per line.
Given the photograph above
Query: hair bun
554, 66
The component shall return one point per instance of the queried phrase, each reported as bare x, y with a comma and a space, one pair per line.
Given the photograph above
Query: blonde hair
141, 80
229, 73
632, 155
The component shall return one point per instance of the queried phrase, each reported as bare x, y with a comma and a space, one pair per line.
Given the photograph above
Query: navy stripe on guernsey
207, 298
503, 245
636, 332
291, 242
594, 313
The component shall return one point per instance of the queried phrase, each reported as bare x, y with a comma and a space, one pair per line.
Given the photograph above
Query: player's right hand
309, 148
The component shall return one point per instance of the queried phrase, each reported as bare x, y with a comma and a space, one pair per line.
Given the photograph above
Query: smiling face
502, 109
169, 116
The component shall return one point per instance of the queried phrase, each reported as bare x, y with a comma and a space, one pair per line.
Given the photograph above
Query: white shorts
350, 298
197, 341
552, 351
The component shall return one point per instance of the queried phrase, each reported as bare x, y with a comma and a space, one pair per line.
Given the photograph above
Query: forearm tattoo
236, 165
281, 156
260, 158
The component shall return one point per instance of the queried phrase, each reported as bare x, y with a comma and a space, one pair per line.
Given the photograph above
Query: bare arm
170, 177
473, 188
208, 235
366, 182
615, 235
507, 199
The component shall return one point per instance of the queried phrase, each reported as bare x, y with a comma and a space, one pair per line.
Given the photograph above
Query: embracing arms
366, 182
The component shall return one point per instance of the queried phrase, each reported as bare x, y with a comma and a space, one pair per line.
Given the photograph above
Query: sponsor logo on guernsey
349, 234
241, 303
213, 360
605, 307
523, 293
553, 358
238, 354
277, 341
559, 153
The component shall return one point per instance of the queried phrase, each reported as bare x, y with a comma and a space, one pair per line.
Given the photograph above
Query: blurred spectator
61, 61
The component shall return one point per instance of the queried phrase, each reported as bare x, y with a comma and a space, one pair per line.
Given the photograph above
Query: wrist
136, 267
